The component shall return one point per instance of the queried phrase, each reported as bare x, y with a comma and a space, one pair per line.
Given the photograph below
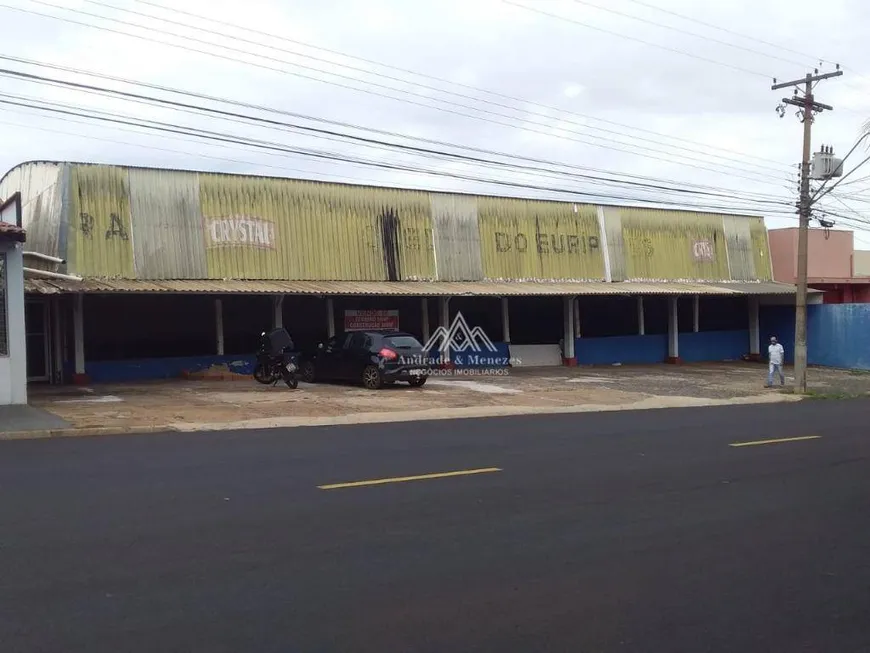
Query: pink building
830, 263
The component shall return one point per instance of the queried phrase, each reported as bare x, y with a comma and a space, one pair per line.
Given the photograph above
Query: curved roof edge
642, 204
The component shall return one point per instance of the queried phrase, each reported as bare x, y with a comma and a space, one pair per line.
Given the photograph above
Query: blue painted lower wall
621, 349
838, 335
712, 346
163, 368
705, 346
168, 368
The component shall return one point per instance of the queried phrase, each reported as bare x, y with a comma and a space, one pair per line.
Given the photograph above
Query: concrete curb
435, 414
84, 432
474, 412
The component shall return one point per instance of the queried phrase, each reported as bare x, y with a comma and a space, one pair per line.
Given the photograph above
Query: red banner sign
374, 320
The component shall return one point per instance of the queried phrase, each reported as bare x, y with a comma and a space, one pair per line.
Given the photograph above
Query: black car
375, 358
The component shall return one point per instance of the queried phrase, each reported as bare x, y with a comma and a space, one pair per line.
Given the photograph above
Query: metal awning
403, 288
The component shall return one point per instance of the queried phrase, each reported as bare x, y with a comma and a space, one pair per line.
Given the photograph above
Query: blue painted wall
838, 335
621, 349
162, 368
779, 321
713, 346
694, 347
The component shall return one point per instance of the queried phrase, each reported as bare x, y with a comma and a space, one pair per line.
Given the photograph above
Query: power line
200, 17
172, 128
720, 28
683, 31
331, 134
272, 110
638, 40
684, 160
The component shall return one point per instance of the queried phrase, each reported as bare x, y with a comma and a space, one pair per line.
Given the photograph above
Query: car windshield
402, 342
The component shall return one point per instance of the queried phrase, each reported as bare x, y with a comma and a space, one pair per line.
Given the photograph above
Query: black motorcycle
274, 362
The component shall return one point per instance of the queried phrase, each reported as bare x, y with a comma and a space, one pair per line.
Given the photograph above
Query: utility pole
808, 107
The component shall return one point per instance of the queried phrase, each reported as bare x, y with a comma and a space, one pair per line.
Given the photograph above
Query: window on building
4, 323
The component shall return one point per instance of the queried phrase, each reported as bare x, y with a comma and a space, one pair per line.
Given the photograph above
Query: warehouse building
138, 273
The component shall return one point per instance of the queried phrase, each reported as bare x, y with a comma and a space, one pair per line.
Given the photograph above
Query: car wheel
372, 378
309, 374
419, 382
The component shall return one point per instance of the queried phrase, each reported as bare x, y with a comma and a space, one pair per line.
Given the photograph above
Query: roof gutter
52, 275
44, 257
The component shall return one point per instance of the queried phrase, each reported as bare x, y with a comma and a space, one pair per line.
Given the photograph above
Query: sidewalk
185, 405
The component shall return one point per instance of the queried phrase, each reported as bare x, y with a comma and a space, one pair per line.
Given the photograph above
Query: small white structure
13, 355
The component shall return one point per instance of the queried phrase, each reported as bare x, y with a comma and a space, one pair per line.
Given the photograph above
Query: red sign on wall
372, 320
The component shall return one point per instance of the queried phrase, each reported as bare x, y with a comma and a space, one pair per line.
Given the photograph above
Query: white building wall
13, 368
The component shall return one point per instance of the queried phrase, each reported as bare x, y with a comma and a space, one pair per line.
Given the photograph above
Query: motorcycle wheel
263, 375
293, 383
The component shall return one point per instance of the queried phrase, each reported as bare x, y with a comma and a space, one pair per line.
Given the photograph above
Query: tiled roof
12, 232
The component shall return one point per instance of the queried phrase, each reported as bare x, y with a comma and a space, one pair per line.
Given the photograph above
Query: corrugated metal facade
129, 223
526, 239
669, 245
42, 206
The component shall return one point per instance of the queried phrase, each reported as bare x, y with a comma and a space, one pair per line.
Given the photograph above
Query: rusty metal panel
738, 241
288, 229
167, 225
611, 219
457, 237
529, 239
761, 250
42, 193
674, 245
99, 222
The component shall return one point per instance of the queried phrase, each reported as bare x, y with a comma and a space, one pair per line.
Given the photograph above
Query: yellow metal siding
315, 231
167, 225
99, 222
668, 245
761, 250
457, 237
527, 239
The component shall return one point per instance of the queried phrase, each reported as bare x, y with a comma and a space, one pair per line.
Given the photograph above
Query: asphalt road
625, 532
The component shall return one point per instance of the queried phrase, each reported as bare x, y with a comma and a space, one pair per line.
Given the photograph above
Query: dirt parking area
185, 403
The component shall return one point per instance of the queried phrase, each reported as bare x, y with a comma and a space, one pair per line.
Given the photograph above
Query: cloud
616, 89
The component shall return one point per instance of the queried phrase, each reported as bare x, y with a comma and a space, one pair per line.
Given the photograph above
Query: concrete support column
427, 331
219, 325
673, 331
696, 313
278, 312
641, 318
568, 339
444, 321
79, 338
576, 317
754, 329
505, 320
330, 317
57, 341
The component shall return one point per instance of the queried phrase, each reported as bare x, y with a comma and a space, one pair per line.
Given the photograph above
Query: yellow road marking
403, 479
757, 442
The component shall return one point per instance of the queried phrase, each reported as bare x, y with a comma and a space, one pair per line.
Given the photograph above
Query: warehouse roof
405, 288
582, 197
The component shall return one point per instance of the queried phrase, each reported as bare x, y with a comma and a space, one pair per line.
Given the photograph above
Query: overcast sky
656, 95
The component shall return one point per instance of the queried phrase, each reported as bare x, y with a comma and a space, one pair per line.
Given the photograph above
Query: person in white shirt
776, 356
